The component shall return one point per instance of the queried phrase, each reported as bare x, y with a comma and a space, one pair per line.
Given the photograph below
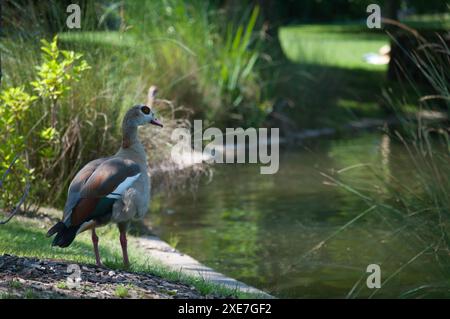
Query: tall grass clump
212, 70
419, 212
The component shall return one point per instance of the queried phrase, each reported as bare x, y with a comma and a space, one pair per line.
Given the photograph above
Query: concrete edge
162, 252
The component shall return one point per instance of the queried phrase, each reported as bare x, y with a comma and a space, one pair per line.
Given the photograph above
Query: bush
26, 129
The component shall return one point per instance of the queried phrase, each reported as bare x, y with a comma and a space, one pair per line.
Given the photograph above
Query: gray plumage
110, 189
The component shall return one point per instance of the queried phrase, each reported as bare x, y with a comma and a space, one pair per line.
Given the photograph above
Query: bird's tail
64, 235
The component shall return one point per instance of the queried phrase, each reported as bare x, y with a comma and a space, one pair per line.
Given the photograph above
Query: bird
114, 189
382, 57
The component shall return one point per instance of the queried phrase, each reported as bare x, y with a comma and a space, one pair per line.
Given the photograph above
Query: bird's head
140, 115
143, 114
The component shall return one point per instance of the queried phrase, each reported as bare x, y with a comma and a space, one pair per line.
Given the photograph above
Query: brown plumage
111, 189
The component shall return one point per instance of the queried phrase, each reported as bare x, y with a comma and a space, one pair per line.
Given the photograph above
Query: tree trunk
391, 9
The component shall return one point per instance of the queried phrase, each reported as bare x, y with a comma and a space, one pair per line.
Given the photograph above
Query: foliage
34, 19
15, 104
333, 45
235, 72
21, 134
59, 67
212, 70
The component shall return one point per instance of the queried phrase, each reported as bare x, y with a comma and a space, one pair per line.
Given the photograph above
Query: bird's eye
145, 109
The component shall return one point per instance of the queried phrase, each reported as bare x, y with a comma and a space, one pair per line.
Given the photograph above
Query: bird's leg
95, 243
123, 243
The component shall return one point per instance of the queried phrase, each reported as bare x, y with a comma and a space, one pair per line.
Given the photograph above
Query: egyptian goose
110, 189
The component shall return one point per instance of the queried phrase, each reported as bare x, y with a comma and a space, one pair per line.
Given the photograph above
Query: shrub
26, 129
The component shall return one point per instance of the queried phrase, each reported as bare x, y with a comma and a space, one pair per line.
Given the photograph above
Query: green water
286, 233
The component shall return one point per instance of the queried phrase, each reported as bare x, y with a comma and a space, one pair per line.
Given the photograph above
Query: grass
62, 285
176, 45
422, 207
428, 21
15, 284
7, 295
205, 69
326, 74
26, 237
173, 240
121, 291
29, 294
332, 45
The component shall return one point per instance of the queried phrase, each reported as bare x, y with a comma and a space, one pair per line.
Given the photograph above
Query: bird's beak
156, 122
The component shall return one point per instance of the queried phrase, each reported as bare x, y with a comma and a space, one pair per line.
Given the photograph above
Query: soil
22, 277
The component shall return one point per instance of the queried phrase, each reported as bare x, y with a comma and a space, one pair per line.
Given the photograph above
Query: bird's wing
73, 194
96, 186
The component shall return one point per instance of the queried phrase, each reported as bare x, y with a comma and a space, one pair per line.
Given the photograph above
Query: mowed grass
26, 237
327, 81
332, 45
429, 21
100, 38
326, 76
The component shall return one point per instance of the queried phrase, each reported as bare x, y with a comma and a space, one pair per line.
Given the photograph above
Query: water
286, 233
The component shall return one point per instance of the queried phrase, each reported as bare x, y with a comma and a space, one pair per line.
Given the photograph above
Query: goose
113, 189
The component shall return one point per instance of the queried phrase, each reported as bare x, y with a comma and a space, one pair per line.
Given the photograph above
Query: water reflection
262, 229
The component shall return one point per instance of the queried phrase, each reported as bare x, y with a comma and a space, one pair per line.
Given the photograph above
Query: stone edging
162, 252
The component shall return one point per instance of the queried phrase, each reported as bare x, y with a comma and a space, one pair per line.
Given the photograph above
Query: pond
293, 234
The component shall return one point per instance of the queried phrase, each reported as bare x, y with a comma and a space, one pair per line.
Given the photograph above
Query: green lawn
332, 45
326, 77
100, 38
429, 21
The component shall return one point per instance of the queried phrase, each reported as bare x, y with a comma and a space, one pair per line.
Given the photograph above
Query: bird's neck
132, 147
129, 136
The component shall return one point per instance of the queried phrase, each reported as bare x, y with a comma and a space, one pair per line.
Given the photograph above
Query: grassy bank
26, 237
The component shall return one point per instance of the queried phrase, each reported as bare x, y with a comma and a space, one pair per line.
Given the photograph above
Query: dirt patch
22, 277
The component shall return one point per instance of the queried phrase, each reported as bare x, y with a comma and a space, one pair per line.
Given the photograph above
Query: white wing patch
118, 192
